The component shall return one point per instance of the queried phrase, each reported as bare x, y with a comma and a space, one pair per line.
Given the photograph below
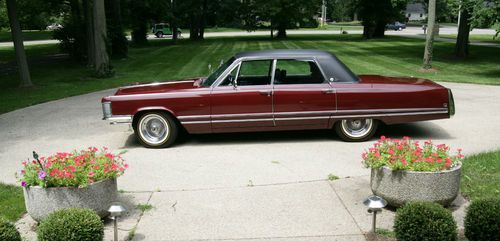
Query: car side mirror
233, 81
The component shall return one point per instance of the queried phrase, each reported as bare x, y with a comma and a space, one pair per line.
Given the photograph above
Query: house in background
415, 12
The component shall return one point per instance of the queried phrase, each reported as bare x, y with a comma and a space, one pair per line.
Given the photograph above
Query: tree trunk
173, 24
194, 26
462, 44
119, 43
102, 67
203, 20
281, 31
89, 26
368, 28
431, 19
379, 31
17, 38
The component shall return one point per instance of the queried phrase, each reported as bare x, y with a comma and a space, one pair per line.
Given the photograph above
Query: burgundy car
276, 90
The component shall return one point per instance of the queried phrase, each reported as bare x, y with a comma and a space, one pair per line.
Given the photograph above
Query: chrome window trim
312, 59
239, 60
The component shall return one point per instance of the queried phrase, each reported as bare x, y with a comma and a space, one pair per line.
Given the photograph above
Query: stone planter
399, 187
98, 196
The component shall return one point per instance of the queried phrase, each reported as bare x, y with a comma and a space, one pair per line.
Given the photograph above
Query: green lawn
27, 35
481, 176
11, 202
475, 37
394, 56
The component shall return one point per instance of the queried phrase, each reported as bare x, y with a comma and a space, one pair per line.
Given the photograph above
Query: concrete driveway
241, 186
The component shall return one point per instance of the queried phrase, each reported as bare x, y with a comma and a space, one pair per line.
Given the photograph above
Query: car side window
230, 78
295, 71
255, 72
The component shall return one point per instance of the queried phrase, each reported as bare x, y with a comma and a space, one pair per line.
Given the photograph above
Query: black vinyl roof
332, 67
283, 53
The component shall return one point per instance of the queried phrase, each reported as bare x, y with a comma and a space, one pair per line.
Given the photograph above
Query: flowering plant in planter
75, 169
406, 154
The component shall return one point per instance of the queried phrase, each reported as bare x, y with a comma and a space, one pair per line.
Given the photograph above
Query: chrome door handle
328, 91
265, 92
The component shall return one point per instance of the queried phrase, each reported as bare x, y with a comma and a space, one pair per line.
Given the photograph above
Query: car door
302, 96
243, 99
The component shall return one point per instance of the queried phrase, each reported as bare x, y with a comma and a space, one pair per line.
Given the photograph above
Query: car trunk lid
378, 80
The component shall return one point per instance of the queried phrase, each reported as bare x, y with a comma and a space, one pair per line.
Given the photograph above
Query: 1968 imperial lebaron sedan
276, 90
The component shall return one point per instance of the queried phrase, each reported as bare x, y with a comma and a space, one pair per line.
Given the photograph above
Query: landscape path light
375, 205
115, 211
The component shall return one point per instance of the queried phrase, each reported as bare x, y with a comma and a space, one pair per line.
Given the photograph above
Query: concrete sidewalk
316, 210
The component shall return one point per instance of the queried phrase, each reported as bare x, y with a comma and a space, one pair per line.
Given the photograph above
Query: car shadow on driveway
418, 130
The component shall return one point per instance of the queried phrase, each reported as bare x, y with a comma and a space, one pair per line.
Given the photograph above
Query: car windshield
211, 79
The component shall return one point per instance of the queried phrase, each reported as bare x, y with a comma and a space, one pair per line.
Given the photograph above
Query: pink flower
23, 184
42, 175
91, 174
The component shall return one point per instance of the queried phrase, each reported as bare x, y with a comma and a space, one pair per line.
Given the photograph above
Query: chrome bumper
119, 119
114, 119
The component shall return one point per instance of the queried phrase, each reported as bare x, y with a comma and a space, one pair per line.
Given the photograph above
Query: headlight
106, 110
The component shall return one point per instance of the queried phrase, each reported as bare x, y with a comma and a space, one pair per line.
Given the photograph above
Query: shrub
482, 220
71, 224
424, 221
406, 154
8, 231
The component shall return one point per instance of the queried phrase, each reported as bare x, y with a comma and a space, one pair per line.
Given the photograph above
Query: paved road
410, 31
239, 186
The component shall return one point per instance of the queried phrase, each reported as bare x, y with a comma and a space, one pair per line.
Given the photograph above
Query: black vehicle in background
397, 26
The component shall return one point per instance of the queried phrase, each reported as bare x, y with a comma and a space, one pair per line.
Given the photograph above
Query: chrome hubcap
154, 129
357, 128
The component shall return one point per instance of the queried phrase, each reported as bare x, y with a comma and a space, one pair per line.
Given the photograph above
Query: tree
4, 19
173, 21
486, 14
194, 16
17, 38
341, 10
281, 14
462, 43
102, 67
119, 43
375, 14
139, 21
431, 19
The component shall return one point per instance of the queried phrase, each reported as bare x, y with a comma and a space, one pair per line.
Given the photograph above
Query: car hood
383, 80
161, 87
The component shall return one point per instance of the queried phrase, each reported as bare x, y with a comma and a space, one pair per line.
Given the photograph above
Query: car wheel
156, 129
400, 29
159, 34
356, 129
